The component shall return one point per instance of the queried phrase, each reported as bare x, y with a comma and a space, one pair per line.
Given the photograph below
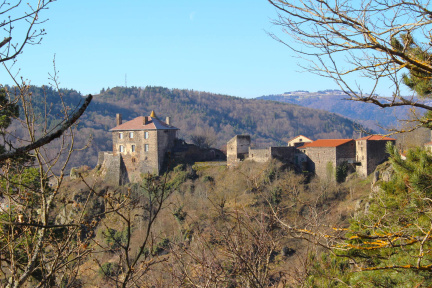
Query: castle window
133, 160
120, 135
146, 147
146, 135
133, 148
130, 134
121, 148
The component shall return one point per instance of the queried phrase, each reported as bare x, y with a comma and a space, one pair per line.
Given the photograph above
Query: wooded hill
218, 117
369, 115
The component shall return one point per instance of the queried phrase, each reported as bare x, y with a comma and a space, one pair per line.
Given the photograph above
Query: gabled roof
428, 144
377, 138
298, 137
326, 143
138, 124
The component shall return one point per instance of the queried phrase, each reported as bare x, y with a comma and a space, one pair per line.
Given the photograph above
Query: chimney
168, 120
146, 120
118, 119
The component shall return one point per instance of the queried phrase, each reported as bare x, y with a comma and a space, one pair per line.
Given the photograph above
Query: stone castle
363, 154
147, 144
143, 145
139, 146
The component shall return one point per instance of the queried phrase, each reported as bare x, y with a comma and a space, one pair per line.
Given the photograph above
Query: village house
321, 157
325, 155
139, 146
298, 141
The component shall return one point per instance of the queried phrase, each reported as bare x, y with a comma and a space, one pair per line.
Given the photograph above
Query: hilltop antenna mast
125, 80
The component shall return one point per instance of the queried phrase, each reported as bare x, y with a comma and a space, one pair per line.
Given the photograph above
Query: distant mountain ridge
369, 115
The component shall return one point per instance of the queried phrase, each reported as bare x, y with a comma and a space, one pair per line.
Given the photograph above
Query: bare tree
387, 42
19, 25
36, 247
134, 246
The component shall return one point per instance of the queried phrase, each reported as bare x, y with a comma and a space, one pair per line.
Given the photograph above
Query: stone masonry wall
166, 140
318, 159
376, 154
139, 161
113, 169
237, 149
346, 152
284, 154
259, 155
361, 157
370, 153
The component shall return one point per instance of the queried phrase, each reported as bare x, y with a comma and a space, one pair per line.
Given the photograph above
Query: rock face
92, 203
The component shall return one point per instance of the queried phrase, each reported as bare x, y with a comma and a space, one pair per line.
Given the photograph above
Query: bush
109, 269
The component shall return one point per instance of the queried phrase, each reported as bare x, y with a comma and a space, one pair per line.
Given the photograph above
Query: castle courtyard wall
284, 154
259, 155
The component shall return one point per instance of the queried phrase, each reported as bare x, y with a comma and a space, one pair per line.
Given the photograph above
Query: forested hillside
367, 114
218, 117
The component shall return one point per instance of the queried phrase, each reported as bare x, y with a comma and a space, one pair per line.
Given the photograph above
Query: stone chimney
168, 120
146, 120
118, 119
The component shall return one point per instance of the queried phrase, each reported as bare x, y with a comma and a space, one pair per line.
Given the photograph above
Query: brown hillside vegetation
216, 228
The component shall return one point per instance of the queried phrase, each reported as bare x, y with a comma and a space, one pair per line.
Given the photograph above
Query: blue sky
214, 46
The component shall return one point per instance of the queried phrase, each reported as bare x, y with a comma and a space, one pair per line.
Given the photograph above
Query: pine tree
390, 244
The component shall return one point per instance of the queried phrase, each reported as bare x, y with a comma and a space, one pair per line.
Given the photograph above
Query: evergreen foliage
388, 245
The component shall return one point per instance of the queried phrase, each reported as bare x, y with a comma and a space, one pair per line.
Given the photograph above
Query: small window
146, 135
121, 149
133, 160
120, 135
146, 147
133, 148
130, 134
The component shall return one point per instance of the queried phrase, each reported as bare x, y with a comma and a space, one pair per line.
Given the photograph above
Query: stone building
298, 141
370, 152
325, 155
139, 146
238, 149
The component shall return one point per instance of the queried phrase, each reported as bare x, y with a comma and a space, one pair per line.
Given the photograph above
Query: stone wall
324, 160
113, 169
165, 140
319, 157
370, 154
259, 155
346, 152
284, 154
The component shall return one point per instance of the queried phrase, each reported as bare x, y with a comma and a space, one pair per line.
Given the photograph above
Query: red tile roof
428, 143
377, 138
138, 124
326, 143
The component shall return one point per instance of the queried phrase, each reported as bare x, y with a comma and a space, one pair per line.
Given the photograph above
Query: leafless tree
19, 25
239, 252
385, 41
135, 248
37, 247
